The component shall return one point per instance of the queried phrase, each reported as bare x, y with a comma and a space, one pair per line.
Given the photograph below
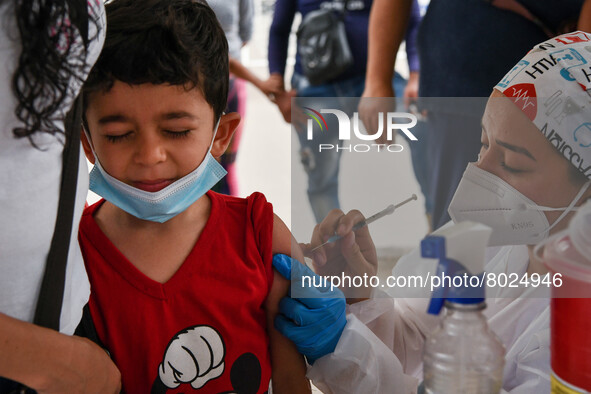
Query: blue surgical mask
164, 204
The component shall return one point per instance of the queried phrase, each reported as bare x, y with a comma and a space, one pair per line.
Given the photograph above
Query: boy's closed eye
118, 137
178, 133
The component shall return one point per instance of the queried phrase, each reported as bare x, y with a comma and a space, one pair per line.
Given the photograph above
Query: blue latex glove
315, 321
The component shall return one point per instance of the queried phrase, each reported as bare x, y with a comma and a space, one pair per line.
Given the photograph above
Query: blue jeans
322, 168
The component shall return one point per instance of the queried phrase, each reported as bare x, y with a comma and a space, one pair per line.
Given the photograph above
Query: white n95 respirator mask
515, 219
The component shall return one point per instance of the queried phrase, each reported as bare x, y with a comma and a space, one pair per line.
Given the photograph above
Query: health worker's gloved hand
315, 319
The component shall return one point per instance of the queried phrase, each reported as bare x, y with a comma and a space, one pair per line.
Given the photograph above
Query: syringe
387, 211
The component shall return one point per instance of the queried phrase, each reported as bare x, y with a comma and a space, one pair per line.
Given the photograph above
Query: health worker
533, 173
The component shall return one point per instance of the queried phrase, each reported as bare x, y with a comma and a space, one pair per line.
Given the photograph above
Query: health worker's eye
511, 169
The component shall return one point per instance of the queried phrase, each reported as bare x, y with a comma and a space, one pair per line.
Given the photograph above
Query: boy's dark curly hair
48, 61
177, 42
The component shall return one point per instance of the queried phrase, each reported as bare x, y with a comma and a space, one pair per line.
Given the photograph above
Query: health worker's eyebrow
513, 148
517, 149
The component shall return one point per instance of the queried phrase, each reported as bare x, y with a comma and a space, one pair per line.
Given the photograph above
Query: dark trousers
454, 141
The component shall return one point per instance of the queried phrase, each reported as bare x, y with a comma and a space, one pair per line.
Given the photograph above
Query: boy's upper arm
288, 366
283, 242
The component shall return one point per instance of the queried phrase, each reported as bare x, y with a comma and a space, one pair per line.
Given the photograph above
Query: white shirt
380, 350
29, 192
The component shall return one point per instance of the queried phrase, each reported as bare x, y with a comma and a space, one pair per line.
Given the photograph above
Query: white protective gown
380, 350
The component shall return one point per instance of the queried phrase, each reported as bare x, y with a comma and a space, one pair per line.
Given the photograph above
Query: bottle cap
460, 251
455, 280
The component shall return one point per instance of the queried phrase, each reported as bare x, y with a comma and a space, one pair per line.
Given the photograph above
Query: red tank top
205, 328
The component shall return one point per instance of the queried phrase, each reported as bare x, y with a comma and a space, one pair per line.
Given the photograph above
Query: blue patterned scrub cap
552, 86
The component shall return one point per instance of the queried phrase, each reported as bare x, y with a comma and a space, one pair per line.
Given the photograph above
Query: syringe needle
387, 211
411, 198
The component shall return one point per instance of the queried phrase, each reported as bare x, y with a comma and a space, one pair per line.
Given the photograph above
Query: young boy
183, 290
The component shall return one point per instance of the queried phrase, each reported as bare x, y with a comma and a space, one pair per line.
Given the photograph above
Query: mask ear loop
97, 162
88, 138
215, 131
87, 133
568, 209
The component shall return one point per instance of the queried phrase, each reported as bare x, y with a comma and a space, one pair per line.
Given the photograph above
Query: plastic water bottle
462, 355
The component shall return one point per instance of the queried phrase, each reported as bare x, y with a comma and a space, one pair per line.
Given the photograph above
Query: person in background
408, 90
47, 51
322, 168
455, 43
236, 19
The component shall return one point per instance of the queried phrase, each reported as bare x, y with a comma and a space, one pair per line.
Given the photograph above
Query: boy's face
149, 136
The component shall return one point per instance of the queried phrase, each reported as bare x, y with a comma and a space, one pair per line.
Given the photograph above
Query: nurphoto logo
395, 121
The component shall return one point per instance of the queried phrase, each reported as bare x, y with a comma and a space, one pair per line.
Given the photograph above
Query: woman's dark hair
176, 42
50, 59
575, 176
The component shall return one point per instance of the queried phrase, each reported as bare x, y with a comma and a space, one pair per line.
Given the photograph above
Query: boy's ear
86, 146
228, 124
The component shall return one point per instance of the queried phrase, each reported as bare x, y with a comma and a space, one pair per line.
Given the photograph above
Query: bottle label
559, 386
